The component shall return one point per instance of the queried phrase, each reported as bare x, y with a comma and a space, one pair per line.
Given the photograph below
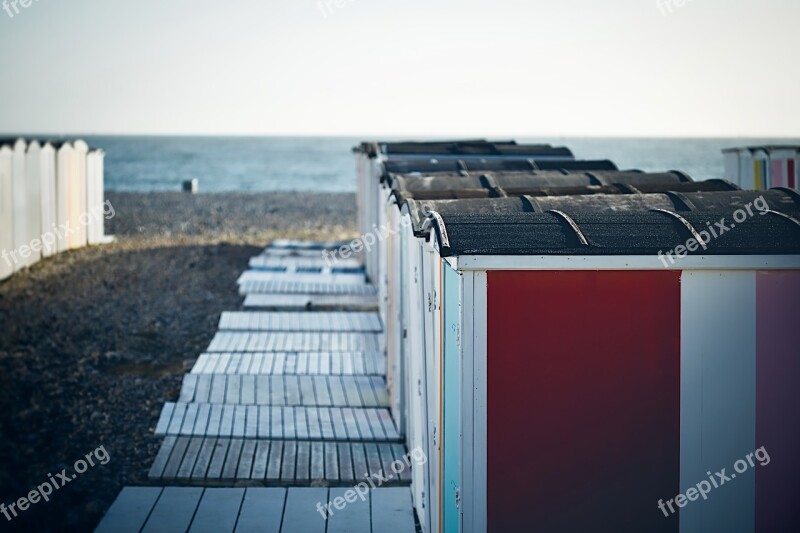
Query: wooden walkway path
257, 510
286, 408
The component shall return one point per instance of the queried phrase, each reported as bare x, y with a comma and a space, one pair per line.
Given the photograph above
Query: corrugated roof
643, 233
511, 182
654, 187
467, 166
463, 147
781, 200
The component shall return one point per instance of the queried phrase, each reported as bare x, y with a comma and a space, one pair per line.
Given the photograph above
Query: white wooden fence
51, 200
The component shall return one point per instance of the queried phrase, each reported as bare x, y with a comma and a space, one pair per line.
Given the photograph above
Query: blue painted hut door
451, 444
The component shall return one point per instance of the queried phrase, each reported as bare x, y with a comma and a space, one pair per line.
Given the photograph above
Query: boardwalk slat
218, 459
354, 517
203, 462
289, 461
300, 514
174, 510
303, 461
392, 510
317, 461
232, 460
130, 510
160, 462
275, 461
260, 460
261, 511
176, 457
190, 458
218, 511
246, 459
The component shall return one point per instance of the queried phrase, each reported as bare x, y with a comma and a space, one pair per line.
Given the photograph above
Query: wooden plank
283, 321
246, 459
294, 342
312, 302
354, 517
392, 510
345, 462
174, 510
360, 465
288, 462
130, 510
355, 278
303, 462
187, 390
262, 510
190, 458
304, 287
275, 461
331, 462
260, 460
317, 461
300, 514
373, 458
218, 511
203, 463
165, 418
232, 460
218, 459
176, 457
160, 462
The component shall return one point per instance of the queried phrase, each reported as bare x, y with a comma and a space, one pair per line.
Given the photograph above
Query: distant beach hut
371, 157
65, 170
561, 340
6, 210
33, 204
762, 167
47, 175
95, 195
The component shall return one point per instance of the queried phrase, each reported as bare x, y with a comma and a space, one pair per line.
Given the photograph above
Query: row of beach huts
575, 346
51, 200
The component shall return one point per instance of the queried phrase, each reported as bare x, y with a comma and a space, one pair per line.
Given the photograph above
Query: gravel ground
92, 342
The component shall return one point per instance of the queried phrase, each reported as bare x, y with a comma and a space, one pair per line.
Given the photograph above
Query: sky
721, 68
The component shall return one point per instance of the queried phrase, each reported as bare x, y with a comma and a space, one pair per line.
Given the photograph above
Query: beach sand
94, 341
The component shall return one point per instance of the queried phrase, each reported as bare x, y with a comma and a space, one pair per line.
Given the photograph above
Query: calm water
327, 164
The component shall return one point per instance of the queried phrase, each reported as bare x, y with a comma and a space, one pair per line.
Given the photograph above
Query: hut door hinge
458, 498
419, 387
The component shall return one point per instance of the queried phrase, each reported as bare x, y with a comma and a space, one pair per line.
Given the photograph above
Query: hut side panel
583, 387
777, 376
718, 364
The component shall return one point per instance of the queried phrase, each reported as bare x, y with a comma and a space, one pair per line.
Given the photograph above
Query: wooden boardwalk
286, 409
257, 510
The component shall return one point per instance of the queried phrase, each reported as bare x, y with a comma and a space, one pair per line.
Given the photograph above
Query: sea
327, 164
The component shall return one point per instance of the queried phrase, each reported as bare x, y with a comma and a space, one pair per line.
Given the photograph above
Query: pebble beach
94, 341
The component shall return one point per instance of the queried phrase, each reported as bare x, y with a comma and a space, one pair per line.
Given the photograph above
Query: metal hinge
458, 498
419, 387
434, 436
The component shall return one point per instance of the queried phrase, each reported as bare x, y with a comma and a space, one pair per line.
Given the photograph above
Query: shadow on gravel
91, 344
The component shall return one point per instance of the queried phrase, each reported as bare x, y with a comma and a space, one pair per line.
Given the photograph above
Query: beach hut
415, 286
761, 168
33, 200
95, 196
47, 186
575, 361
65, 171
6, 211
782, 166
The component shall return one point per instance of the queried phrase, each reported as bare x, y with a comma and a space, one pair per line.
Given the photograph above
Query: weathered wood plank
353, 321
130, 510
261, 511
218, 511
299, 515
174, 510
392, 510
304, 287
353, 518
